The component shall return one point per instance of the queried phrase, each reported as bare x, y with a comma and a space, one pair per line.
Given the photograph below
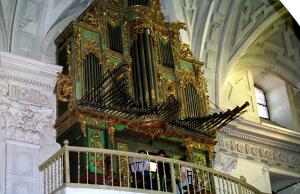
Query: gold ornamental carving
124, 163
170, 88
188, 142
78, 53
186, 51
113, 19
91, 18
179, 25
91, 46
83, 124
152, 132
64, 88
111, 130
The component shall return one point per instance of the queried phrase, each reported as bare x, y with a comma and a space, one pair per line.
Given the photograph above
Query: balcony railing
103, 167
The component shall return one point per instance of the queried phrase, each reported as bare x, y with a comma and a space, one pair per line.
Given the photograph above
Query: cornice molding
282, 153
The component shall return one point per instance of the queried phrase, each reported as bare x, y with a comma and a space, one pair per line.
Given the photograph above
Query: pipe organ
128, 78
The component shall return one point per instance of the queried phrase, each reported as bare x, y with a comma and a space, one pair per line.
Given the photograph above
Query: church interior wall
233, 44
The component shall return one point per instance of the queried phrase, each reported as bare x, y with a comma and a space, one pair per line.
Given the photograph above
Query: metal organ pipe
137, 79
143, 76
148, 64
143, 70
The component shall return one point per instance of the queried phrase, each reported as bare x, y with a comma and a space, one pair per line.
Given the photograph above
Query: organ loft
129, 83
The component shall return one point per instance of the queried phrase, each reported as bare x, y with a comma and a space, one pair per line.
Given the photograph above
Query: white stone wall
27, 115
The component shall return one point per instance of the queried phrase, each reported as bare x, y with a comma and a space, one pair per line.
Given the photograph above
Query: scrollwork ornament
64, 88
186, 51
90, 18
91, 46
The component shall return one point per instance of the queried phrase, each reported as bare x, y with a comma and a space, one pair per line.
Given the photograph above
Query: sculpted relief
25, 114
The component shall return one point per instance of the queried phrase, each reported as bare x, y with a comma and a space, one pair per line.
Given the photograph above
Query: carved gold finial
179, 25
186, 51
64, 88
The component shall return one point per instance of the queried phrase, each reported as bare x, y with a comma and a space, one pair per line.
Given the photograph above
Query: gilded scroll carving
64, 88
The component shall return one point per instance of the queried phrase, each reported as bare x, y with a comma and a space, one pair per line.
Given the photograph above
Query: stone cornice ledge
28, 68
265, 132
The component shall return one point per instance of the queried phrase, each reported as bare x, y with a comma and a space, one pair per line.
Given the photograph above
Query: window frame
260, 104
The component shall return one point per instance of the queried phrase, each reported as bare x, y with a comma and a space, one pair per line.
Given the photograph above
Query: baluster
120, 166
180, 178
204, 182
231, 189
45, 185
62, 169
55, 185
51, 179
173, 177
87, 168
143, 173
239, 188
128, 174
198, 181
236, 188
135, 169
228, 189
95, 167
111, 170
104, 169
223, 186
209, 183
58, 170
78, 167
219, 183
150, 176
165, 178
158, 176
193, 181
48, 179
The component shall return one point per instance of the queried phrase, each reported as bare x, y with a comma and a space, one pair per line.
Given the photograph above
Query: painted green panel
91, 35
187, 65
120, 127
99, 123
78, 90
175, 139
168, 76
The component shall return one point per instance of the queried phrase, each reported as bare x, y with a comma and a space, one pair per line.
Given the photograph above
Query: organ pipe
192, 101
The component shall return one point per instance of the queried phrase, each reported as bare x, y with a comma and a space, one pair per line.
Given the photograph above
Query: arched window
261, 103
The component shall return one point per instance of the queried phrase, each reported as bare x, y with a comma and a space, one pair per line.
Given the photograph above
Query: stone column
27, 115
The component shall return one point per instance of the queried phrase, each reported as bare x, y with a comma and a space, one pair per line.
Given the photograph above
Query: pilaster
27, 115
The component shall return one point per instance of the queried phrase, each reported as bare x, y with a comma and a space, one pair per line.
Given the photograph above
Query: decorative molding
23, 122
27, 106
245, 144
257, 140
